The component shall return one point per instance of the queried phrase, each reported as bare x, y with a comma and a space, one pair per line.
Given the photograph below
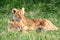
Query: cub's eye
18, 14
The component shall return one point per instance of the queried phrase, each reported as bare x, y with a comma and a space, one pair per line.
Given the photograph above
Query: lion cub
32, 24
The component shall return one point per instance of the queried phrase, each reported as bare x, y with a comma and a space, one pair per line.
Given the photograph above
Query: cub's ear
23, 10
14, 10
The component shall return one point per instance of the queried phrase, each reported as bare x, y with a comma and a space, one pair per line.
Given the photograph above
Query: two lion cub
25, 24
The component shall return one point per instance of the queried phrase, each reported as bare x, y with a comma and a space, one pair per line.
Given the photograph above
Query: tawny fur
14, 25
32, 24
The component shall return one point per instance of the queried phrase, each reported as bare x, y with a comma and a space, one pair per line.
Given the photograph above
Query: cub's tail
50, 26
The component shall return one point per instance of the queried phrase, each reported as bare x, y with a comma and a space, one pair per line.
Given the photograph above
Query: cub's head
17, 13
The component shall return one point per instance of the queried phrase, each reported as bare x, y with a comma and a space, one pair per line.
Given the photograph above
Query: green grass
34, 9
